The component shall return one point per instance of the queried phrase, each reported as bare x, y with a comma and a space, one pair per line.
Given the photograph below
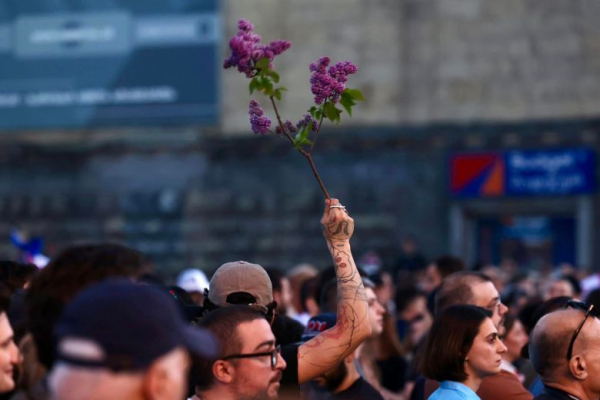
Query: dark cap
121, 325
317, 324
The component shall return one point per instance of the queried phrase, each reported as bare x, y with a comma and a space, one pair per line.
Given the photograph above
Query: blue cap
317, 324
122, 326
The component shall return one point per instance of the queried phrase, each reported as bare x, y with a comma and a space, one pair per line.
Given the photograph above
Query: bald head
550, 341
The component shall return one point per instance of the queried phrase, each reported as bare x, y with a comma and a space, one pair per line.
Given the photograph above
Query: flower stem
307, 155
316, 133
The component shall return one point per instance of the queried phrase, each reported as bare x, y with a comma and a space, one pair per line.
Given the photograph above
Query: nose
501, 348
503, 309
14, 353
281, 364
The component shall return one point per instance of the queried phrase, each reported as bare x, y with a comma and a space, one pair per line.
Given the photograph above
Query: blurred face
254, 377
417, 318
432, 279
385, 292
376, 312
485, 355
560, 288
514, 340
486, 296
177, 364
286, 295
9, 355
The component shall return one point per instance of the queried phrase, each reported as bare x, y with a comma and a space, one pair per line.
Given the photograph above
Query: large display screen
89, 63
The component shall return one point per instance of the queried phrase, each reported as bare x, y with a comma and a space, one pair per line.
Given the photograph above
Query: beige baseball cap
240, 278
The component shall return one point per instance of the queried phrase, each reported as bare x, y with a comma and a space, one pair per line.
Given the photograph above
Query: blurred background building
479, 135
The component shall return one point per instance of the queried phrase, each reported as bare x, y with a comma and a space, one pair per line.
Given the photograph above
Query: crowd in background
98, 323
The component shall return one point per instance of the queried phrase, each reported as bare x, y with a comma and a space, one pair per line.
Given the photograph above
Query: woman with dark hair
462, 348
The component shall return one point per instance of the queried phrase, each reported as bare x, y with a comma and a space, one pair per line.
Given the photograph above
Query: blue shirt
449, 390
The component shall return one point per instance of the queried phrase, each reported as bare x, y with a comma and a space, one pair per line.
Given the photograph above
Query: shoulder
449, 394
360, 389
502, 386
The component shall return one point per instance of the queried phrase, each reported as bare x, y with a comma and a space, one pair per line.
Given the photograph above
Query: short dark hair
222, 323
15, 274
71, 271
449, 340
447, 265
456, 289
406, 296
573, 281
275, 276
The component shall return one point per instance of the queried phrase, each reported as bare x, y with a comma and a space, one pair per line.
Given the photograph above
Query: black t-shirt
289, 380
359, 390
393, 373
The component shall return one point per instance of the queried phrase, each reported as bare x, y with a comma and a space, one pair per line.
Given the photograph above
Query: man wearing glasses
565, 352
248, 366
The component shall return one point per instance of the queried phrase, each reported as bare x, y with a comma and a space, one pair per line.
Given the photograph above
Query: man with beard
341, 382
249, 365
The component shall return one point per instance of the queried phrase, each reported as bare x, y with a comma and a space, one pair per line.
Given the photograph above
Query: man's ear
156, 382
223, 371
578, 367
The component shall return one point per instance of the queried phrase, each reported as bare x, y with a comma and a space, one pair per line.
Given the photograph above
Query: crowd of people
96, 323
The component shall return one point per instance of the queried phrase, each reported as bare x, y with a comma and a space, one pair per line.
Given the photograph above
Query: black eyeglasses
589, 310
273, 353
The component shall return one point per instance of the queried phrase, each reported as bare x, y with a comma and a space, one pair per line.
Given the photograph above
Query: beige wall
423, 61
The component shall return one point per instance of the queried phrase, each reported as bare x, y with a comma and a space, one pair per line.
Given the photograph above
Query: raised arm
327, 349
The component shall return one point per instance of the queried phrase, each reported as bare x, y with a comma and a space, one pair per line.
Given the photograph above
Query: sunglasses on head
588, 309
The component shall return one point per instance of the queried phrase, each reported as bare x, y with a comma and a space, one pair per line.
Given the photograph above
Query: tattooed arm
326, 350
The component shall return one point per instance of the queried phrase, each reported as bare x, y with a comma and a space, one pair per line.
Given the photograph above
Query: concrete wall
423, 61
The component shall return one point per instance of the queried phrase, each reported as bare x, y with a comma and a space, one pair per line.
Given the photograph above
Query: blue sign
550, 172
123, 62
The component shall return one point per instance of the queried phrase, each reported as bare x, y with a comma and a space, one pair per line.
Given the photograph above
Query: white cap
192, 280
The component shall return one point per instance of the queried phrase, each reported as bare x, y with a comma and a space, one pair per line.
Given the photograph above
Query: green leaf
254, 85
347, 103
301, 138
275, 76
318, 114
355, 94
312, 111
263, 64
331, 112
277, 94
282, 88
267, 86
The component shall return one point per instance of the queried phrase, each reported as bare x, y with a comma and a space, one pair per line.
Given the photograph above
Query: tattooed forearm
352, 327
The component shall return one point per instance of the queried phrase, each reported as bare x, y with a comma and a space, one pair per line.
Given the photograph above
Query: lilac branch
306, 154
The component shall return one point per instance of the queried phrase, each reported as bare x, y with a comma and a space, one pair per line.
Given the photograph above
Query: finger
333, 212
326, 210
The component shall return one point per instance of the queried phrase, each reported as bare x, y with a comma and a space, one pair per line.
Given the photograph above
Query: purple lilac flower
329, 83
308, 119
289, 127
260, 123
246, 49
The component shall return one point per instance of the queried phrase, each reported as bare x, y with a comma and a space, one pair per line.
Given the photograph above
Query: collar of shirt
559, 392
